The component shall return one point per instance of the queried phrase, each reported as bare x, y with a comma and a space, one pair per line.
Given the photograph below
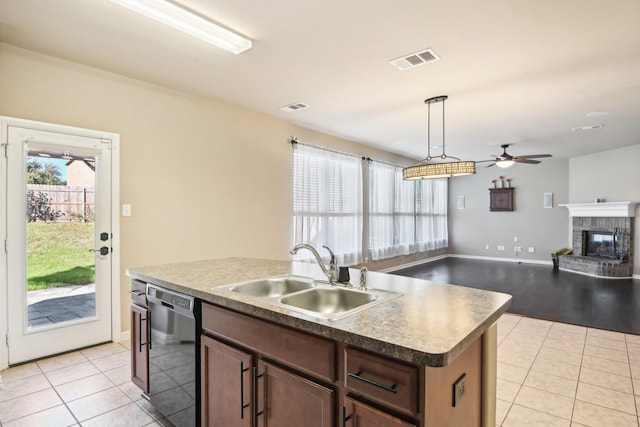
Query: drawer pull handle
137, 293
393, 388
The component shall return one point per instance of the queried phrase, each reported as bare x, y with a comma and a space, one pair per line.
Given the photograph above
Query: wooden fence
75, 203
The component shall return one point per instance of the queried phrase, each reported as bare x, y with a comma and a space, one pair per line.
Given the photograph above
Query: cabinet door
357, 414
139, 347
501, 199
286, 399
226, 374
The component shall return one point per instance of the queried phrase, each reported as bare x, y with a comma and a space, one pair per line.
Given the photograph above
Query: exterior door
58, 240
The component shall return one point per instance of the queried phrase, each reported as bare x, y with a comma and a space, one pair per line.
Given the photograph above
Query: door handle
243, 405
103, 250
256, 413
345, 417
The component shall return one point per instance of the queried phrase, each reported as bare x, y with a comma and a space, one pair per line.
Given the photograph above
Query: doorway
60, 228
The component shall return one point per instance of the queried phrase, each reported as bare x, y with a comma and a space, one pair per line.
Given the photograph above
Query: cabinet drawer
311, 354
386, 381
362, 414
138, 293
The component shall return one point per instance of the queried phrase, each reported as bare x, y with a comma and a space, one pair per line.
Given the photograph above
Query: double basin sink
311, 297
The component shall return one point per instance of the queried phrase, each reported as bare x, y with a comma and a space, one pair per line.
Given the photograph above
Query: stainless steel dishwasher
174, 386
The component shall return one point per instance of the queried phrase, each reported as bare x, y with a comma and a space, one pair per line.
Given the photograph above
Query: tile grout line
503, 339
575, 393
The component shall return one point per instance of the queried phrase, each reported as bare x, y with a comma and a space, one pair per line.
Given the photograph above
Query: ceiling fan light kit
505, 163
426, 169
506, 160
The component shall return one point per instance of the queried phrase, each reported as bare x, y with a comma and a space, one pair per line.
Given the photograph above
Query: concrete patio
55, 305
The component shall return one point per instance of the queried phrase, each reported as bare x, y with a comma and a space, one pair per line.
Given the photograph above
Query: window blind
327, 202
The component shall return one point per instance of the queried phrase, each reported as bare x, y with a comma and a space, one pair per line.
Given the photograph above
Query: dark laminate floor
543, 293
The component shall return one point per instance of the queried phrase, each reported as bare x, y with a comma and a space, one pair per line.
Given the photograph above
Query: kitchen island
439, 339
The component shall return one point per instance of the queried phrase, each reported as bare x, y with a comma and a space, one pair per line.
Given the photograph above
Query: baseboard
484, 258
517, 260
125, 336
412, 264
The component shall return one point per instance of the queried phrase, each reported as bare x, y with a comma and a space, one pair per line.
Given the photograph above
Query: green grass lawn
58, 254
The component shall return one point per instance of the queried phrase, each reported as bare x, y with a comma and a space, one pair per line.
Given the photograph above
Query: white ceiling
519, 72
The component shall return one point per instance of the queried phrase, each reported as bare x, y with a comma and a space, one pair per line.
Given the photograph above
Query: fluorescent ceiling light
181, 19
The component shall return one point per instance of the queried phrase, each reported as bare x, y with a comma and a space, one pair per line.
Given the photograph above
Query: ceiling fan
506, 160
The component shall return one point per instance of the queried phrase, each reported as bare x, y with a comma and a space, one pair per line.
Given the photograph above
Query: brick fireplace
602, 239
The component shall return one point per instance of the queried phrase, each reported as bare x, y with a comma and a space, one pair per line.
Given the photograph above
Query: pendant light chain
429, 132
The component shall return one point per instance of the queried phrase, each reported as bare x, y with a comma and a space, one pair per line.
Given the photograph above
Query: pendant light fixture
425, 169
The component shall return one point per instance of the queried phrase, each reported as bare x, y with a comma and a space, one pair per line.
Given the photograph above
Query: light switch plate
459, 388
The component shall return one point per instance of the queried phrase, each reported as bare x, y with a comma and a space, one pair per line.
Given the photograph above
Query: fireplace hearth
602, 245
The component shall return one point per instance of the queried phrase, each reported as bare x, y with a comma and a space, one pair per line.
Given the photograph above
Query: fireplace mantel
603, 209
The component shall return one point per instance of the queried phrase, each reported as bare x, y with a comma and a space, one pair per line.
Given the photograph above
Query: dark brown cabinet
358, 414
260, 374
140, 335
241, 387
287, 399
382, 380
227, 391
139, 348
501, 199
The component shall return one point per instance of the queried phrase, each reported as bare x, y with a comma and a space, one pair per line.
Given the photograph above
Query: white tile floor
90, 387
554, 374
549, 374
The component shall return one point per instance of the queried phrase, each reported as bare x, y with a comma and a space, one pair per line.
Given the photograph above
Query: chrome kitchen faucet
331, 272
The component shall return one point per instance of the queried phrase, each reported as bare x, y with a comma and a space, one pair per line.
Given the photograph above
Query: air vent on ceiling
415, 59
587, 128
294, 107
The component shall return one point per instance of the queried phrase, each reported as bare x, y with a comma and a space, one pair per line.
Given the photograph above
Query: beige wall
204, 179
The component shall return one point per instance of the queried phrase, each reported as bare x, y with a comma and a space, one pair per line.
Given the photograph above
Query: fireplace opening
599, 244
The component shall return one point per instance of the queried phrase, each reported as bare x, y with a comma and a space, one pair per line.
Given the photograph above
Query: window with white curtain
327, 202
404, 216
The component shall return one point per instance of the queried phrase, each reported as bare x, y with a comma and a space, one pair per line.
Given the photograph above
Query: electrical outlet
517, 248
486, 247
531, 249
459, 388
515, 239
501, 247
126, 210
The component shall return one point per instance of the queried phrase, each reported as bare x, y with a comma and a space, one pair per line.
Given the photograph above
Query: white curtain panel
404, 216
327, 203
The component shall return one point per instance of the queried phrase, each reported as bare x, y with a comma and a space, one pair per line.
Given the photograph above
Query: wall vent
294, 107
415, 59
592, 127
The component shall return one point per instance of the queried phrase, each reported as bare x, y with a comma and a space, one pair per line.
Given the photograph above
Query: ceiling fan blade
492, 164
521, 160
535, 156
